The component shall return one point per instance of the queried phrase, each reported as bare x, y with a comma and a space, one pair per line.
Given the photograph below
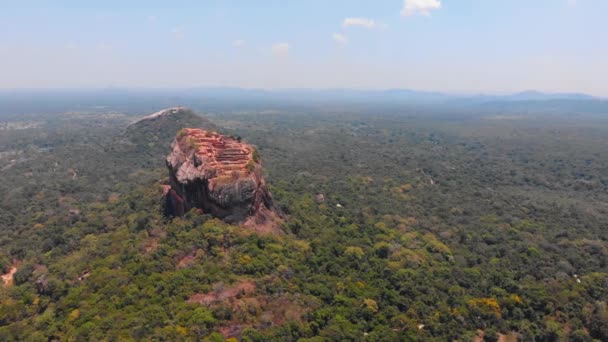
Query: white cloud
280, 49
178, 32
103, 47
238, 43
362, 22
152, 18
423, 7
339, 38
71, 46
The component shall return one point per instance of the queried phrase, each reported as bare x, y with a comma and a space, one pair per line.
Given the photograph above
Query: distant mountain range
399, 95
139, 101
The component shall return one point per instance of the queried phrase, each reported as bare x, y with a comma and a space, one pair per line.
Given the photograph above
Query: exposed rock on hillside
7, 278
220, 176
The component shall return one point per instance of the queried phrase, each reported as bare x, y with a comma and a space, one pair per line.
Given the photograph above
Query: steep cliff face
220, 176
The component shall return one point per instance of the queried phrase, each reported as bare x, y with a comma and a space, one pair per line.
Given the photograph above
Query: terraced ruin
216, 151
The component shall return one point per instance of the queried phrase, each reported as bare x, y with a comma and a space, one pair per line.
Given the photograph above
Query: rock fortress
221, 176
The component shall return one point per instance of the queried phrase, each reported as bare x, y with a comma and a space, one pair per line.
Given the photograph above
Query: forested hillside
399, 226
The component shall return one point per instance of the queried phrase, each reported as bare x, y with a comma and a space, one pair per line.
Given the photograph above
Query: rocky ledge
221, 176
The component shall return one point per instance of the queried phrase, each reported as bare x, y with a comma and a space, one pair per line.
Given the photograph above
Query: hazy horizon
454, 47
303, 90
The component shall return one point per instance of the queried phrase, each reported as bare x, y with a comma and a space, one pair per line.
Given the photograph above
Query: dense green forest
432, 226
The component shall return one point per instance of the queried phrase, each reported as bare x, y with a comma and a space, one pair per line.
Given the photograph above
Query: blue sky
464, 46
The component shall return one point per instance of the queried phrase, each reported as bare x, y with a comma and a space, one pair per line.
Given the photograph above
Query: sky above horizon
461, 46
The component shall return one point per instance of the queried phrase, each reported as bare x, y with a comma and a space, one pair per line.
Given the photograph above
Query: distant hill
157, 131
533, 95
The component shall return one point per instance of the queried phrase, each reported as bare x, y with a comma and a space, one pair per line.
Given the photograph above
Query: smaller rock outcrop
221, 176
153, 133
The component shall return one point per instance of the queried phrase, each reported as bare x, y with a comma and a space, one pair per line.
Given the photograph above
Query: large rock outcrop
221, 176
